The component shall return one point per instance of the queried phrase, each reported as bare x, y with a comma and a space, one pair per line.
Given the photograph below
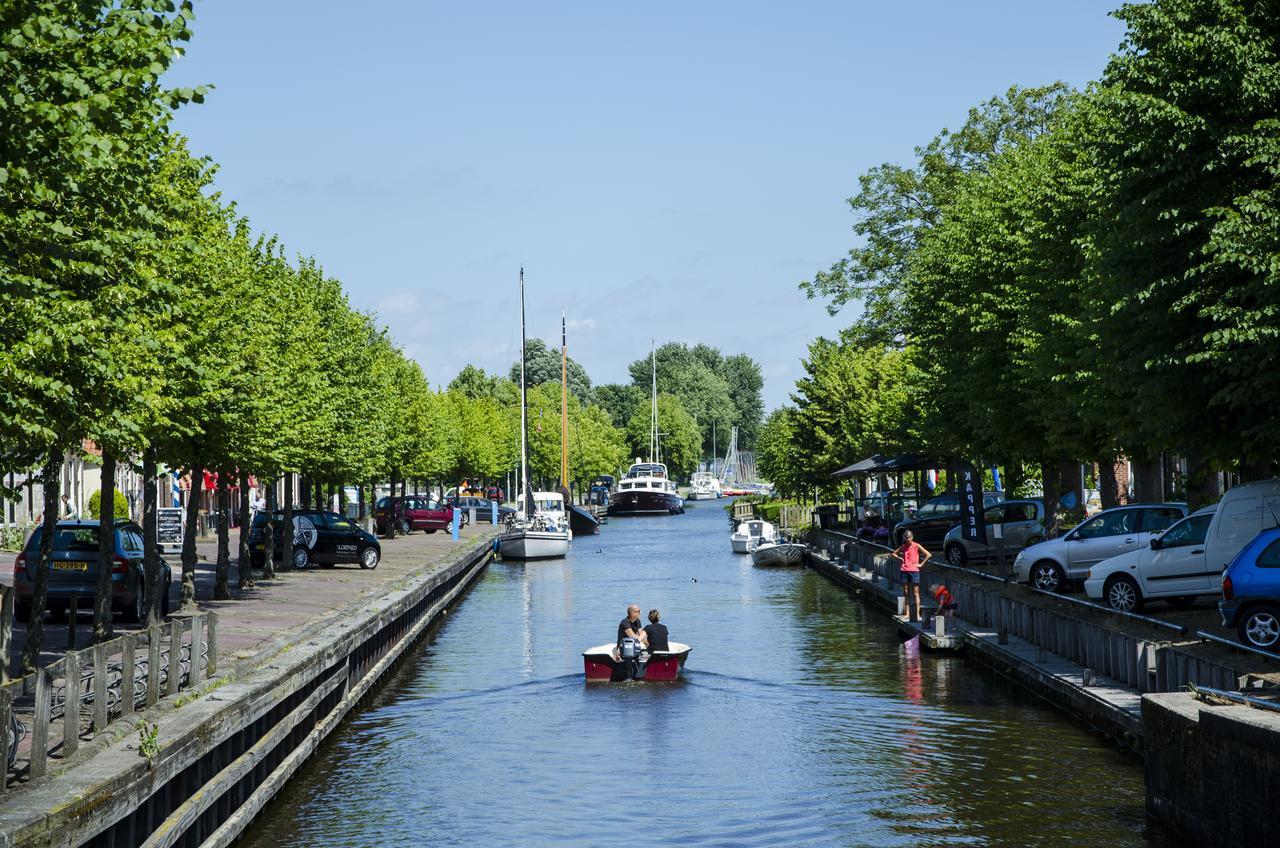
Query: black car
73, 570
482, 506
319, 537
931, 522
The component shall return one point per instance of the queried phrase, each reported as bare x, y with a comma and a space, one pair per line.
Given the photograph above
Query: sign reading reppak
971, 524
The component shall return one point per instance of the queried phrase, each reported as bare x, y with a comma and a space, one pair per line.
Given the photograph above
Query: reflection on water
802, 720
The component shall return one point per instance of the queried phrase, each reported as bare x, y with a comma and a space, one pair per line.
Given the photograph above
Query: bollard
493, 513
453, 525
902, 605
939, 624
472, 516
1089, 678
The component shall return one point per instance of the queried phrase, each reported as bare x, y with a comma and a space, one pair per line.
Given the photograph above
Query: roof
879, 464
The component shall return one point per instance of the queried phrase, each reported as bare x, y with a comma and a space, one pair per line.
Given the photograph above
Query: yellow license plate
259, 547
71, 566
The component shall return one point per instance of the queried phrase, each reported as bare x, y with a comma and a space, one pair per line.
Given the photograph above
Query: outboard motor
633, 660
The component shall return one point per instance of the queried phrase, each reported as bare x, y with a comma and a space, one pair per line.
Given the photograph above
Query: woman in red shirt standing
912, 556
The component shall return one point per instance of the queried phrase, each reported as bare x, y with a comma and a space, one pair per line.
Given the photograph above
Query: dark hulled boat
646, 490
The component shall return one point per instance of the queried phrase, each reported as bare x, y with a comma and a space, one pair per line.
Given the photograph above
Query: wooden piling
71, 705
175, 656
99, 687
40, 723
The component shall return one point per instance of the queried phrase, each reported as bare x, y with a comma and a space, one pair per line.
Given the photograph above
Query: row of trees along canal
1070, 276
140, 311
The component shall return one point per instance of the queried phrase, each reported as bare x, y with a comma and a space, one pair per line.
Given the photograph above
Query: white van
1244, 512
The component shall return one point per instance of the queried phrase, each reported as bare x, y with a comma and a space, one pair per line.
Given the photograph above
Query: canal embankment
1211, 768
292, 658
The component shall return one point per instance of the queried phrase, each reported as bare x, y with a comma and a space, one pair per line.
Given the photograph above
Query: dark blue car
1251, 592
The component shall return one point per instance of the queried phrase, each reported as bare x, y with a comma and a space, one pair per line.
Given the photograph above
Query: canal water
802, 720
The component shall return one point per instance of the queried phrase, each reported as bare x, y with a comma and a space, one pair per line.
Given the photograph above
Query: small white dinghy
777, 554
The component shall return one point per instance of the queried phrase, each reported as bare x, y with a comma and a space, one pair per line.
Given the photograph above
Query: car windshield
67, 538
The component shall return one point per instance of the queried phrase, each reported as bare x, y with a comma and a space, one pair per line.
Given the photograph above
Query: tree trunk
390, 529
49, 479
150, 545
403, 492
1148, 480
1108, 482
1202, 481
221, 591
319, 494
244, 560
1015, 476
187, 598
1051, 480
269, 535
286, 532
361, 503
102, 629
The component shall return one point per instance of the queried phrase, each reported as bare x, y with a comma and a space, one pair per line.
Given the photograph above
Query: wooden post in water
71, 705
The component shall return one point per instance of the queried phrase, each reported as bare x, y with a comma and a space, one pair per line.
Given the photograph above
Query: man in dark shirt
656, 633
630, 626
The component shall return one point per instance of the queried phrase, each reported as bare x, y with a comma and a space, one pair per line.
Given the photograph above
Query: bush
95, 501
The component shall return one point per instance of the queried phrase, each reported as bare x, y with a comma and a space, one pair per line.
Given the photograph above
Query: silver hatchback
1011, 525
1052, 564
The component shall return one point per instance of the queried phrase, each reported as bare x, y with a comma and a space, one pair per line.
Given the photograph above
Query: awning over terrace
877, 464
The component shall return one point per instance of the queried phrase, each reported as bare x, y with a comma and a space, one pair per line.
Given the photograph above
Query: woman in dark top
656, 632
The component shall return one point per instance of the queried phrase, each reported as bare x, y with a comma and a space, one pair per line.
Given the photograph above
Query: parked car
319, 537
935, 517
1244, 512
413, 512
1051, 564
483, 508
73, 570
1012, 524
1251, 592
1173, 567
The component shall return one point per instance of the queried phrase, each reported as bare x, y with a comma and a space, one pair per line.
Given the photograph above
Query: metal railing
107, 682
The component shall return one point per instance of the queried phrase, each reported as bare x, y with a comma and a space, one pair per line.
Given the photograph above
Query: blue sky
663, 170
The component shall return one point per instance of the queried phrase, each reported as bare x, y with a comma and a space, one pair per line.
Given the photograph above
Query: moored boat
703, 486
750, 533
603, 664
777, 554
646, 490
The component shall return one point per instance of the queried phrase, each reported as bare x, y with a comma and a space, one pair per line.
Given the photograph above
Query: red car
414, 512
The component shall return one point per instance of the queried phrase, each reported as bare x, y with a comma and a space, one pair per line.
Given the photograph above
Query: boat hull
701, 496
533, 544
599, 665
777, 555
645, 502
582, 522
741, 546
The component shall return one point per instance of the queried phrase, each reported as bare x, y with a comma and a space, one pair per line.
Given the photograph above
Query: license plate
259, 547
71, 566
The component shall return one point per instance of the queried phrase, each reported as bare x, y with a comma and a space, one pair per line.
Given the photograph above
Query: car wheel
956, 554
1047, 575
405, 527
301, 558
1260, 628
137, 610
369, 558
1122, 594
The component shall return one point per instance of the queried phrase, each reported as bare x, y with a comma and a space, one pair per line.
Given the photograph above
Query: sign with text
972, 527
169, 528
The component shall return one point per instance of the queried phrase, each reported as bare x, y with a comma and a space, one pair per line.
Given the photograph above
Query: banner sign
972, 527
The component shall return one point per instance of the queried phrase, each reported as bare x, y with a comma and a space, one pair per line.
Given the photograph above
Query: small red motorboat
604, 663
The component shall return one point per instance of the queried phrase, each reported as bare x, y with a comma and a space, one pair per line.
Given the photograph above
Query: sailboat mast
653, 412
527, 501
564, 403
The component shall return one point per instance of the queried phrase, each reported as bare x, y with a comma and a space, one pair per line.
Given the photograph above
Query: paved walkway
290, 601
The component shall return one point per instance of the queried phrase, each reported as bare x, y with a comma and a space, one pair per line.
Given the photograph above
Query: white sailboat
536, 533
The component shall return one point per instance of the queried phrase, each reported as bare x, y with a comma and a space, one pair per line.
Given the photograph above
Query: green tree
121, 504
778, 452
680, 443
620, 401
542, 365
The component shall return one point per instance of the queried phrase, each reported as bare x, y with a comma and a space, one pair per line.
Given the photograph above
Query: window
382, 503
1017, 512
337, 522
1159, 518
76, 539
1188, 532
995, 516
131, 542
1113, 523
1270, 556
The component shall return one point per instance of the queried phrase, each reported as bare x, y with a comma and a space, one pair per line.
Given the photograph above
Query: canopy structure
878, 464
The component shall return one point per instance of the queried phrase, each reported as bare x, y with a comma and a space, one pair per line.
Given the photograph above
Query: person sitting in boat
629, 628
656, 633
